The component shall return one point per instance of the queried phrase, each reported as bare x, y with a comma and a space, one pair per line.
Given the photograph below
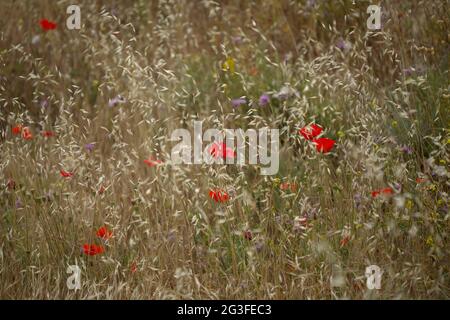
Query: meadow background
99, 101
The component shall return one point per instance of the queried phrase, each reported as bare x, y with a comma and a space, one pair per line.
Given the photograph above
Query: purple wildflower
443, 210
44, 103
408, 71
19, 204
264, 100
115, 101
89, 147
237, 40
406, 149
343, 45
237, 102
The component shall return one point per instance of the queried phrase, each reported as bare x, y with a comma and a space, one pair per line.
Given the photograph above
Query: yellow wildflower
276, 182
409, 204
430, 241
228, 65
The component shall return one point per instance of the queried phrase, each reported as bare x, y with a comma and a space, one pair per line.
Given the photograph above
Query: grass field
86, 176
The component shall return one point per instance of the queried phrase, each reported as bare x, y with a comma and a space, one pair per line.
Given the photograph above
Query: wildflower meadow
334, 185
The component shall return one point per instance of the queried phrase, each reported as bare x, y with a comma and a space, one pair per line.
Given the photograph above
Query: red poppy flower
385, 192
48, 134
345, 240
212, 195
104, 233
47, 25
248, 235
151, 162
65, 174
101, 190
218, 150
420, 180
310, 132
133, 267
92, 249
324, 145
286, 186
26, 133
219, 195
16, 130
375, 193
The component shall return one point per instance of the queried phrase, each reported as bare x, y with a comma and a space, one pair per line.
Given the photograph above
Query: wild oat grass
308, 232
